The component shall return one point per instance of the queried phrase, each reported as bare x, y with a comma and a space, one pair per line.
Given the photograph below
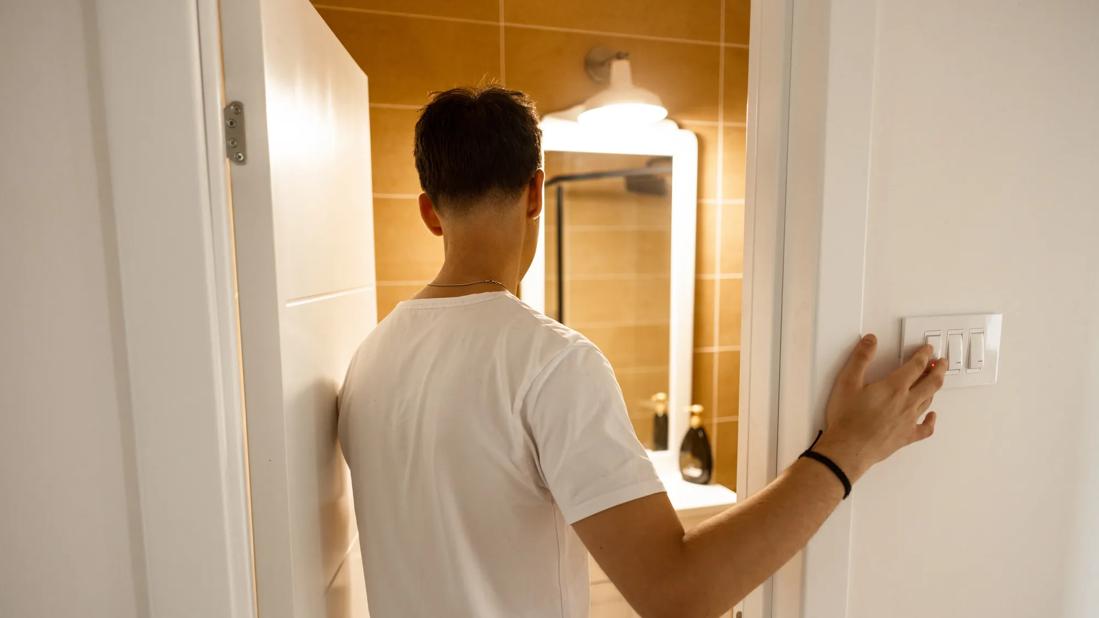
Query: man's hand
869, 422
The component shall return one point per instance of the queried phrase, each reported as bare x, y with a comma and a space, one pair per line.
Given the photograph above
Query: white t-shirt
477, 430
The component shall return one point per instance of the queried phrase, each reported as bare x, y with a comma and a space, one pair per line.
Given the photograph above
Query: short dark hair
478, 143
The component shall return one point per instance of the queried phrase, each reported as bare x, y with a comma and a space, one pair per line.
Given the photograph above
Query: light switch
976, 350
954, 351
935, 340
969, 345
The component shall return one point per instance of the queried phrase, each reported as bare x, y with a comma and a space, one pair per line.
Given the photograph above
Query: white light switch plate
915, 330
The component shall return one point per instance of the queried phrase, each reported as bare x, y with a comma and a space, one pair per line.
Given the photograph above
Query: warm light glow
622, 104
623, 114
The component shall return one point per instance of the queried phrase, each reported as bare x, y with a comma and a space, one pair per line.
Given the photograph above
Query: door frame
769, 51
810, 98
155, 86
833, 65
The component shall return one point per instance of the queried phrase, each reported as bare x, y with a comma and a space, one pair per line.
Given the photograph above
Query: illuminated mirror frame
562, 133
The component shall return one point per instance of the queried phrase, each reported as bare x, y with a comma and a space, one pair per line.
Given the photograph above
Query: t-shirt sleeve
587, 450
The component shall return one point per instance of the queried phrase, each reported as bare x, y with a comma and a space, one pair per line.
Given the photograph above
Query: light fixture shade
622, 103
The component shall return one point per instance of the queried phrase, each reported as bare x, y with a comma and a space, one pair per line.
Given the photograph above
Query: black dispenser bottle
660, 421
696, 460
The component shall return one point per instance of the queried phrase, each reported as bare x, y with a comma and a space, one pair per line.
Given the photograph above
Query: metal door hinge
235, 147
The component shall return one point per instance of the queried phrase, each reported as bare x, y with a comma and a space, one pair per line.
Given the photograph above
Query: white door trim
160, 164
764, 230
810, 110
239, 521
831, 107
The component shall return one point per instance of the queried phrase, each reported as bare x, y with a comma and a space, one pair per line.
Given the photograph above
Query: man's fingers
930, 382
907, 374
926, 428
854, 372
922, 407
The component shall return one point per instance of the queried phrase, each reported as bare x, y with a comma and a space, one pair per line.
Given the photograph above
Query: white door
305, 266
943, 160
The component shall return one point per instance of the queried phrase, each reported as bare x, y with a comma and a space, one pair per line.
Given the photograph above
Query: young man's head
479, 153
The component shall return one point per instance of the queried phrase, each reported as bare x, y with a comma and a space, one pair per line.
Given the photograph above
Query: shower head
648, 184
651, 184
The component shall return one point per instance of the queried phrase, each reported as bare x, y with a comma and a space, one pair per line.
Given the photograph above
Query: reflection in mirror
608, 269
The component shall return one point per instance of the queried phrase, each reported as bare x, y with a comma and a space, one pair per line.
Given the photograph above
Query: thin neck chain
463, 285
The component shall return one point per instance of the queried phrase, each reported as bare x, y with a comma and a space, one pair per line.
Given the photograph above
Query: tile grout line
715, 370
624, 35
626, 227
506, 24
313, 298
355, 9
618, 324
711, 123
397, 196
647, 277
716, 349
640, 368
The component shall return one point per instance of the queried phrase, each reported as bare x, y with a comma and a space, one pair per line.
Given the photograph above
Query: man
489, 445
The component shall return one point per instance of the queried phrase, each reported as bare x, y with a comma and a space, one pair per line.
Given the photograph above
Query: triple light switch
970, 345
958, 355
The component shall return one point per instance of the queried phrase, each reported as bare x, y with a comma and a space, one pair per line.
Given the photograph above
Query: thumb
927, 427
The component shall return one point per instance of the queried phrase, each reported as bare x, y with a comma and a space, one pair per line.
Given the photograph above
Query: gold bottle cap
660, 403
696, 415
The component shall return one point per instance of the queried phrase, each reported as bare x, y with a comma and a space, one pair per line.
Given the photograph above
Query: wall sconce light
621, 103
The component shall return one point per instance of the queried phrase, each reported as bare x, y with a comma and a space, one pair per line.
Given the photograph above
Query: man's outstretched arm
664, 571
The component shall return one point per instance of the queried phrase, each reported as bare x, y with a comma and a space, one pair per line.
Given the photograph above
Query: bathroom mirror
617, 256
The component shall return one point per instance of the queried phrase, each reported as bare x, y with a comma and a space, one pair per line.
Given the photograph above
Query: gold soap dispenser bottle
696, 460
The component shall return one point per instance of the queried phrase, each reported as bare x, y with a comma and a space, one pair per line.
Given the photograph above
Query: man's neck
486, 261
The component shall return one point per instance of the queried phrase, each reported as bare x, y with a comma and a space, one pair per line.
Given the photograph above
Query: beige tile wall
693, 53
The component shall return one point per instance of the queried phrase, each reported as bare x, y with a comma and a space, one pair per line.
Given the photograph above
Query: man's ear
535, 194
428, 214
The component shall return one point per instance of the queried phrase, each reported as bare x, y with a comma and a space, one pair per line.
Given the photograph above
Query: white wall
70, 544
121, 435
984, 196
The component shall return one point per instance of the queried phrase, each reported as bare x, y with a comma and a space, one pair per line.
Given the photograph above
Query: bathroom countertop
693, 503
688, 496
691, 496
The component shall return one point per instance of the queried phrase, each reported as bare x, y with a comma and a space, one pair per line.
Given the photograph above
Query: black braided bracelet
828, 463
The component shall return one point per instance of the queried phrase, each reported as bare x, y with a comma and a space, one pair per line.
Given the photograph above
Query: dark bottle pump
660, 421
696, 460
